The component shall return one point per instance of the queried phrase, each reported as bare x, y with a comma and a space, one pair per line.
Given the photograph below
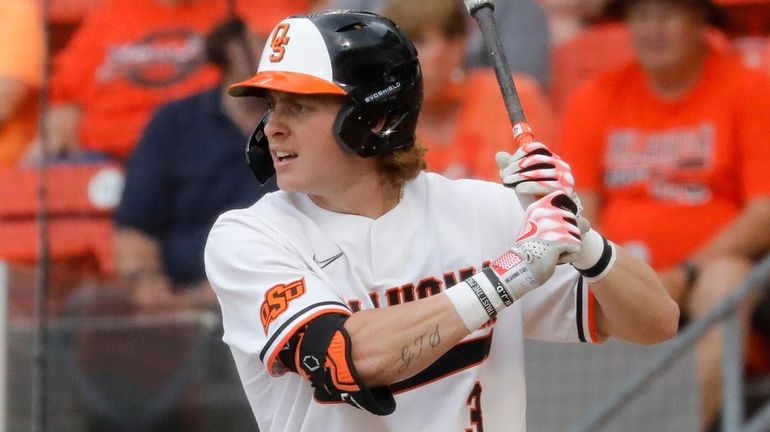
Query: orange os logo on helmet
279, 41
277, 300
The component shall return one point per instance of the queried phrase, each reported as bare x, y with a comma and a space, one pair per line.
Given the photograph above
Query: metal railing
732, 363
3, 344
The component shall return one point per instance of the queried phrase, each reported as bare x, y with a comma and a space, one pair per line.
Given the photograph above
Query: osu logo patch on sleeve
277, 300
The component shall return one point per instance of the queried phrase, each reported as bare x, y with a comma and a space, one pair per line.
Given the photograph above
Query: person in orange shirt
127, 58
21, 69
463, 121
669, 155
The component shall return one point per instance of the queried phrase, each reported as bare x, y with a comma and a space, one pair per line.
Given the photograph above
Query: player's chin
289, 183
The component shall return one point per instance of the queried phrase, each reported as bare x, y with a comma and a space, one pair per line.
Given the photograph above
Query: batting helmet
360, 55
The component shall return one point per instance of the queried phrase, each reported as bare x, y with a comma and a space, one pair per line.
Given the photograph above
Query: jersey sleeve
561, 310
265, 290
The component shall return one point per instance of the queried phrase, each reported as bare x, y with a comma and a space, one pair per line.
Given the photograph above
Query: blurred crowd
662, 107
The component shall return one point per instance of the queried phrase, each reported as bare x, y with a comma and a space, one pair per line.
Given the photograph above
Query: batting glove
549, 232
534, 171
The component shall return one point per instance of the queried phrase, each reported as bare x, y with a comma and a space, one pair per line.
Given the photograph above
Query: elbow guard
322, 354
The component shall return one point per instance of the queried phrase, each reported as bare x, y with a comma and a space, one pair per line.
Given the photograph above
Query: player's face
306, 155
666, 34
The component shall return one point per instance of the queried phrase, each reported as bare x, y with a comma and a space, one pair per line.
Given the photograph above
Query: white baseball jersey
283, 261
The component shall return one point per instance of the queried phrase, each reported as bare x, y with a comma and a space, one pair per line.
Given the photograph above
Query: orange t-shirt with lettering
21, 60
671, 174
127, 58
482, 127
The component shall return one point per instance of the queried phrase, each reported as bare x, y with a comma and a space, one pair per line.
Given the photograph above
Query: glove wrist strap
597, 257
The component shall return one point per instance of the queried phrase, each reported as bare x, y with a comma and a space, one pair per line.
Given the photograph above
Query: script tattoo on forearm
414, 350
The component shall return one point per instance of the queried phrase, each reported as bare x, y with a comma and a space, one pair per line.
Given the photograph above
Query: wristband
480, 297
472, 302
597, 257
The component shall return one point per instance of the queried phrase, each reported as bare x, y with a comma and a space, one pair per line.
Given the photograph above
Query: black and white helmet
360, 55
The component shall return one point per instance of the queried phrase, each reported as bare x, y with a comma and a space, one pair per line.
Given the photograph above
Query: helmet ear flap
353, 130
258, 152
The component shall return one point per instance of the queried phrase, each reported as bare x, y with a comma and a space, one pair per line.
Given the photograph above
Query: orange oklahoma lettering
277, 300
279, 42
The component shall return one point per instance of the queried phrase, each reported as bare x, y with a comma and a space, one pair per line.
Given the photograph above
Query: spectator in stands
522, 26
21, 69
188, 167
127, 58
670, 155
463, 122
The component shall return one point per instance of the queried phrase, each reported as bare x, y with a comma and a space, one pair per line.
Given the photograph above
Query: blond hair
402, 165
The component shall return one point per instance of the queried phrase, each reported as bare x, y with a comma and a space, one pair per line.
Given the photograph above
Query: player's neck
369, 197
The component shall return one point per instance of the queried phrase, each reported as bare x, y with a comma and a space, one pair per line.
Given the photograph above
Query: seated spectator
187, 168
522, 27
463, 122
670, 160
127, 58
21, 69
597, 48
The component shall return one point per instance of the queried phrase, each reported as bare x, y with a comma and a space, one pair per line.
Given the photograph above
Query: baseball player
367, 294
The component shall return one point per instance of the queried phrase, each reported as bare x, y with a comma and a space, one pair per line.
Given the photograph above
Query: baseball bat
483, 12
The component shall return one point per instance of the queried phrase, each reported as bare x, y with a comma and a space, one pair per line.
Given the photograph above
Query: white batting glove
549, 232
534, 171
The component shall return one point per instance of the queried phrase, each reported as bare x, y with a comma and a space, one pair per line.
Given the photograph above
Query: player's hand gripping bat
513, 176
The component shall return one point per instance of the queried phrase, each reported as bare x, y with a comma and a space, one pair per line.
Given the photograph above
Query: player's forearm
747, 236
394, 343
633, 304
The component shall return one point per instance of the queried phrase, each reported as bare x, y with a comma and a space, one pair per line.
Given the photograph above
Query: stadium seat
80, 201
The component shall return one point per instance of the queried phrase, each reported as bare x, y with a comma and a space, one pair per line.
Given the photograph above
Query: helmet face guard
359, 55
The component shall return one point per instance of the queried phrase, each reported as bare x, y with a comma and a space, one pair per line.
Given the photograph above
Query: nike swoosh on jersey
325, 262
